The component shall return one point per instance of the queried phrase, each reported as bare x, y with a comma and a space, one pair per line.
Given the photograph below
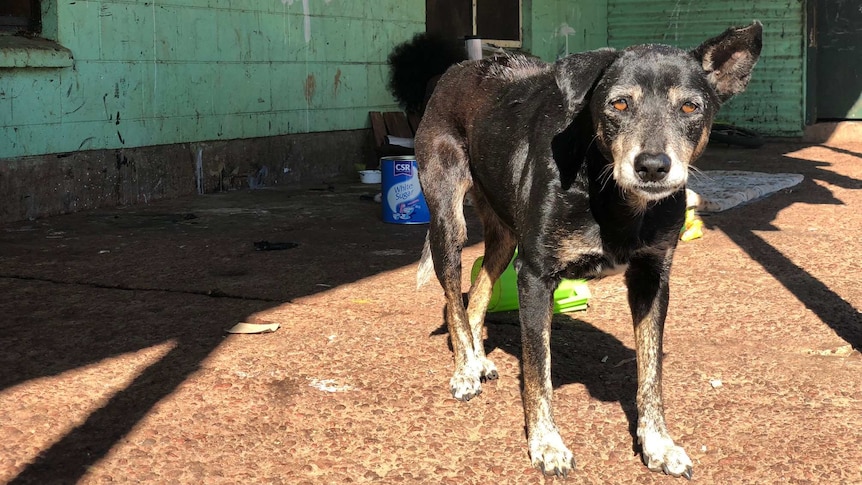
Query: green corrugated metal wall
555, 28
774, 102
175, 71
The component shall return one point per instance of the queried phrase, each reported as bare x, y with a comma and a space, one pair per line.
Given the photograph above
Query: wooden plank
396, 124
378, 127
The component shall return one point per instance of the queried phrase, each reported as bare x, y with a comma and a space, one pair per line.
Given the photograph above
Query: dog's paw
465, 386
550, 455
660, 454
489, 370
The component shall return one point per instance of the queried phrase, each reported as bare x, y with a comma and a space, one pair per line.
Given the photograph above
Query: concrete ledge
833, 132
16, 51
34, 187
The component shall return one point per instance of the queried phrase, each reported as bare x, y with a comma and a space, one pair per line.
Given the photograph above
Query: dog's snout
652, 167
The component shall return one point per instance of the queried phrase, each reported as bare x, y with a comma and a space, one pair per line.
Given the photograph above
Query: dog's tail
426, 264
415, 65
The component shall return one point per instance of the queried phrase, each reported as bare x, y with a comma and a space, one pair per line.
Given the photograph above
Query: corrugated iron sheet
774, 102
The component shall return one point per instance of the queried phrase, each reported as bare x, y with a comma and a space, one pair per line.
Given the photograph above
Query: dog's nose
652, 167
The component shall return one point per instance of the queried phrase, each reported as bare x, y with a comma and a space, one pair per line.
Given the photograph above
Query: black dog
582, 165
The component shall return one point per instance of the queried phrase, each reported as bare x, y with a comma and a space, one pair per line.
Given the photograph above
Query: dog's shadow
580, 354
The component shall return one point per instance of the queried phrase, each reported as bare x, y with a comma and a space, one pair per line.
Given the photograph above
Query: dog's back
471, 88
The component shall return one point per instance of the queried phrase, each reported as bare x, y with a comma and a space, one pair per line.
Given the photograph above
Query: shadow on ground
742, 225
580, 354
86, 287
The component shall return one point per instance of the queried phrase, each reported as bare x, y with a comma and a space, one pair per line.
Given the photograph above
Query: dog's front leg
647, 281
547, 451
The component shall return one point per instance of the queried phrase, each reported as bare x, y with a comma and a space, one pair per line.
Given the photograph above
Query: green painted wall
174, 71
774, 102
554, 28
171, 71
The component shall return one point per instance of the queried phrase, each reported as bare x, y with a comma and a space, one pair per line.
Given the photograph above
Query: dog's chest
586, 255
594, 265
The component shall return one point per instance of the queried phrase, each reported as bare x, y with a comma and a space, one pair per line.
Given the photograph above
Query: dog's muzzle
652, 167
650, 175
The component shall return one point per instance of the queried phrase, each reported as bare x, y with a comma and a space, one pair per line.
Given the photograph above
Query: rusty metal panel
774, 103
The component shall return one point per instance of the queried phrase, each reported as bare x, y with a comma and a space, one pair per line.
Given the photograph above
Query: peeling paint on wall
565, 30
306, 16
309, 88
306, 21
555, 28
336, 83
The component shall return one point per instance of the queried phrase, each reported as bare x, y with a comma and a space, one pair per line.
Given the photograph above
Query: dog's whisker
606, 171
592, 140
698, 174
606, 175
696, 170
604, 180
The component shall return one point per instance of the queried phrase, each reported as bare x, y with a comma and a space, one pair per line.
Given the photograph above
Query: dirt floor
115, 365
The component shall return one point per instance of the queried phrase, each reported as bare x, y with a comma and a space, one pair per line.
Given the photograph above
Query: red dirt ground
115, 367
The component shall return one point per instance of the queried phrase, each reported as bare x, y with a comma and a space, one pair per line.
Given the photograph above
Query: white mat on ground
720, 190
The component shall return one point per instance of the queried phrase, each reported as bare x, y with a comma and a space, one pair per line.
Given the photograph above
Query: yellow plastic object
693, 226
570, 295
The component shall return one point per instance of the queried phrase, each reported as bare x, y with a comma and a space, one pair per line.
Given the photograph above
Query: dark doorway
20, 16
497, 22
838, 64
450, 18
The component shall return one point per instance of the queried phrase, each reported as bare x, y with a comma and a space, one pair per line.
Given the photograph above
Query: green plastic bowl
570, 295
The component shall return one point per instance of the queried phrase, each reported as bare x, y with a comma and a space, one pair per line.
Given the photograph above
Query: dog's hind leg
647, 281
445, 177
500, 244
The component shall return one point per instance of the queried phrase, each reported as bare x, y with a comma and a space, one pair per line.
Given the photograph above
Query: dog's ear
729, 58
576, 74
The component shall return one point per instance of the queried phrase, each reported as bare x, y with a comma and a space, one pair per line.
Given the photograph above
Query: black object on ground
734, 135
273, 246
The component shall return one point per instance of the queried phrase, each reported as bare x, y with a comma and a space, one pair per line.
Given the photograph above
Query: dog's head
653, 107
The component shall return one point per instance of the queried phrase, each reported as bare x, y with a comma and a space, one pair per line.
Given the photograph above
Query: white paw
550, 455
489, 370
660, 454
465, 383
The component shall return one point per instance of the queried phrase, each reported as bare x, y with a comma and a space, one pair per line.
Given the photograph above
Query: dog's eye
620, 104
688, 107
